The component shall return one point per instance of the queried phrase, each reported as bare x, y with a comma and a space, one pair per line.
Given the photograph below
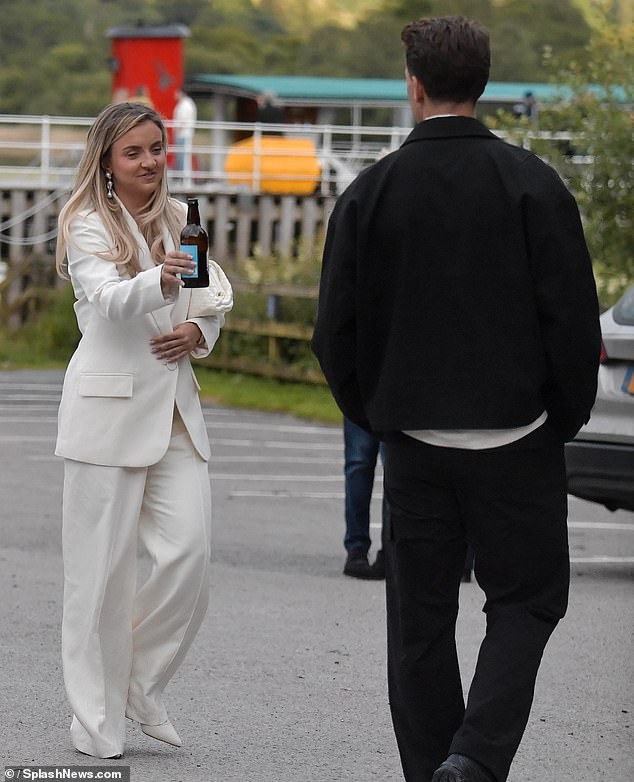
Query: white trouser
120, 646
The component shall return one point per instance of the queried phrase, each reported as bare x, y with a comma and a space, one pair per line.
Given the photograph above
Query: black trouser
510, 504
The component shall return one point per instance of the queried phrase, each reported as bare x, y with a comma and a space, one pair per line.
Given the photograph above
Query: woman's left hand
178, 344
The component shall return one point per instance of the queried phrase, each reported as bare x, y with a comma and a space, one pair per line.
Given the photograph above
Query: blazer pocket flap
105, 385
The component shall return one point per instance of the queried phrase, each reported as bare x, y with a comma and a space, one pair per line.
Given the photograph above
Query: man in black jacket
458, 318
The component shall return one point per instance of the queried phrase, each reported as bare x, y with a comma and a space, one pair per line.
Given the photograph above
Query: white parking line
272, 427
276, 444
273, 477
230, 443
48, 399
283, 494
215, 460
276, 459
31, 387
600, 560
40, 420
600, 525
27, 438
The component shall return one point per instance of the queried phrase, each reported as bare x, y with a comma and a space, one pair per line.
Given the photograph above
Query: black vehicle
600, 460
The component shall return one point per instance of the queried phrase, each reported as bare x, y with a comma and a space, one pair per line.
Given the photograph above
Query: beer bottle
195, 242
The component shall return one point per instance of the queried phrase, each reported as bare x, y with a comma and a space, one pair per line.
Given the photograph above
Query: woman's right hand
175, 264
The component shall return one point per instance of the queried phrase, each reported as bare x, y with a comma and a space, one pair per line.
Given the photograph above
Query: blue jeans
360, 452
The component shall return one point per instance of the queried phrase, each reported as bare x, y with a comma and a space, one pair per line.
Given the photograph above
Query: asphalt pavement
286, 679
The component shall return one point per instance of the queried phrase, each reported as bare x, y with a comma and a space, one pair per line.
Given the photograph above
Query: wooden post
287, 224
309, 221
265, 224
221, 221
245, 208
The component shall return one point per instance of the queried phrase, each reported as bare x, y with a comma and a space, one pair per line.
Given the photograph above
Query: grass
48, 339
302, 400
31, 349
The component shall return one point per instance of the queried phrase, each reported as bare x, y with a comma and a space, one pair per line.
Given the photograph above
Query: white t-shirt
185, 114
475, 439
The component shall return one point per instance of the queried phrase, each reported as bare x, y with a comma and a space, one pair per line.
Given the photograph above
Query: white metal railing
43, 151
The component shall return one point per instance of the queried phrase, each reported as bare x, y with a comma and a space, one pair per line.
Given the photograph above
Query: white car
600, 460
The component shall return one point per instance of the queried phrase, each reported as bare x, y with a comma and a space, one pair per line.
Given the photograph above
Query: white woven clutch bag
218, 297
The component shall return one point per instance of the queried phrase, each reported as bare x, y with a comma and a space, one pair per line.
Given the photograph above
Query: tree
597, 164
267, 36
604, 122
521, 30
225, 49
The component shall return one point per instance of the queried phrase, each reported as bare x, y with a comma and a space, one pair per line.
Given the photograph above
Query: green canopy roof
318, 90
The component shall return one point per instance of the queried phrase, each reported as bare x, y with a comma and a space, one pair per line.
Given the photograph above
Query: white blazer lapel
178, 311
161, 320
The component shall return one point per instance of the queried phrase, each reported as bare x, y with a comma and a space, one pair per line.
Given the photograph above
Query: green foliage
49, 342
47, 339
605, 128
223, 49
38, 39
263, 273
48, 65
597, 12
600, 122
302, 268
299, 16
521, 32
518, 44
14, 86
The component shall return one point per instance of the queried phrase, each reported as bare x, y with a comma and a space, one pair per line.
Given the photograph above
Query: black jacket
457, 291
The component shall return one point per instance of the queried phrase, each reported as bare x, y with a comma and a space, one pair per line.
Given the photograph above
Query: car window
624, 309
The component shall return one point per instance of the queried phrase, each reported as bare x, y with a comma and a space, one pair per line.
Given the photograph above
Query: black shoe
357, 566
460, 768
378, 568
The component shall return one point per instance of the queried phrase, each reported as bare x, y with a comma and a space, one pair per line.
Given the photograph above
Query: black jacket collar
448, 127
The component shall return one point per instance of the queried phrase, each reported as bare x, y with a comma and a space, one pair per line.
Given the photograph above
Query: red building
147, 64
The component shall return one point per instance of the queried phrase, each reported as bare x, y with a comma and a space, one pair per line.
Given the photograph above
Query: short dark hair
449, 55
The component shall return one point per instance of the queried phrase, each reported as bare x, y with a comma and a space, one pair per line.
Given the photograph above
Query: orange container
274, 164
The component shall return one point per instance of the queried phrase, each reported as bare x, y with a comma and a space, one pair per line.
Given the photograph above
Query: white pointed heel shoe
163, 732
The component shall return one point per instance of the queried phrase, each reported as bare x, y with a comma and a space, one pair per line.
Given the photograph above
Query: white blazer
118, 399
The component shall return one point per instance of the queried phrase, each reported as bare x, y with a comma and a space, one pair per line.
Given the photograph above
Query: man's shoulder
520, 159
369, 176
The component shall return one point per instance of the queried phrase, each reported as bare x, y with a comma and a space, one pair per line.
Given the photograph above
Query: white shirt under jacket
118, 399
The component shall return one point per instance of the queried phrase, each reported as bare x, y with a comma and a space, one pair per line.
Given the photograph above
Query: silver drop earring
109, 185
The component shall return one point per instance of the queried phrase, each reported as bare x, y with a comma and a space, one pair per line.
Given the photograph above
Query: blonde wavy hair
89, 193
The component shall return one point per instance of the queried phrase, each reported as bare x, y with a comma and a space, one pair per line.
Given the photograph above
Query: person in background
141, 95
185, 115
120, 95
133, 438
527, 108
269, 112
361, 449
458, 320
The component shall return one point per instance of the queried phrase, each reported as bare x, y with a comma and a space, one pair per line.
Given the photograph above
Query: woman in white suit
132, 435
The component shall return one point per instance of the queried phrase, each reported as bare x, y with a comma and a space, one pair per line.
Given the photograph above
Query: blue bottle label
191, 249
